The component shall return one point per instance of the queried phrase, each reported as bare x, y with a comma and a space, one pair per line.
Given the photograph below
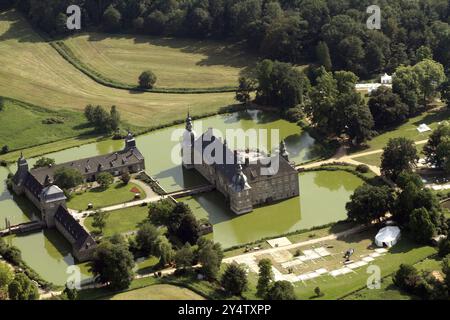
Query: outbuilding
388, 236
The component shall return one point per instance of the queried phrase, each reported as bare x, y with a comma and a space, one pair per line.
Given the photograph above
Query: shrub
294, 114
4, 150
362, 168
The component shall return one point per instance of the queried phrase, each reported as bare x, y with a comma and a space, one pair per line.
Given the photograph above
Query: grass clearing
116, 193
409, 129
121, 221
50, 81
177, 63
158, 292
23, 125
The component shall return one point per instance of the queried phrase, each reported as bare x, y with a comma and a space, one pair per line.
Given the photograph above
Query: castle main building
246, 178
37, 185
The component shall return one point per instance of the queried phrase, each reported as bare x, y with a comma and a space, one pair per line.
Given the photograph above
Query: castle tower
130, 142
283, 151
21, 174
187, 144
52, 197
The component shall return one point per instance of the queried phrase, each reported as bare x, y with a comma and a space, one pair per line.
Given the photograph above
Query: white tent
388, 236
423, 128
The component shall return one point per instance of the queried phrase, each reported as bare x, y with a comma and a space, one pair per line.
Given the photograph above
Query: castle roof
253, 170
52, 193
92, 165
81, 236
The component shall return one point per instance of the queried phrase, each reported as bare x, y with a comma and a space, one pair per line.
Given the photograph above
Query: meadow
34, 72
23, 125
177, 63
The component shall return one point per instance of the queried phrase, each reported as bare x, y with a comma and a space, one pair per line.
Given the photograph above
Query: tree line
329, 100
332, 33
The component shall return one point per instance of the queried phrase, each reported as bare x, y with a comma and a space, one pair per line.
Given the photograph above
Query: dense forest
330, 32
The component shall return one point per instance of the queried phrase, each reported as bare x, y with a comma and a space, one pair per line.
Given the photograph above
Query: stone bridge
191, 191
33, 226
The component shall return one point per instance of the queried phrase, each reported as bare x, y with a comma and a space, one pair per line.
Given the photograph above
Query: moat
322, 194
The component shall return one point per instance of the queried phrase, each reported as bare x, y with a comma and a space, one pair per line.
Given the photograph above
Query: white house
386, 79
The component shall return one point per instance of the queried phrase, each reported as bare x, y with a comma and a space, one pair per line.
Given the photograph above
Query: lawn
158, 292
49, 80
177, 63
121, 221
334, 288
389, 291
409, 129
23, 125
116, 193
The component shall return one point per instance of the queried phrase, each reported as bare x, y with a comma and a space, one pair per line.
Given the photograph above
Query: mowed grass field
177, 63
23, 125
158, 292
32, 71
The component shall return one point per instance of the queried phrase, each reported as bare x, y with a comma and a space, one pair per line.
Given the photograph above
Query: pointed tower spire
188, 122
283, 151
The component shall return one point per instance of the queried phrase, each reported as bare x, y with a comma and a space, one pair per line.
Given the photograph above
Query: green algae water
322, 199
323, 195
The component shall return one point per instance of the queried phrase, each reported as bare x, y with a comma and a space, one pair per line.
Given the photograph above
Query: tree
265, 277
424, 53
323, 56
280, 84
22, 288
430, 75
114, 118
113, 263
369, 203
184, 257
146, 238
163, 249
437, 149
6, 276
281, 290
406, 84
243, 93
44, 162
357, 120
387, 108
99, 220
89, 113
159, 212
444, 247
445, 92
105, 179
183, 224
125, 177
67, 178
407, 277
210, 257
2, 104
399, 155
147, 79
70, 293
234, 279
112, 19
446, 270
421, 225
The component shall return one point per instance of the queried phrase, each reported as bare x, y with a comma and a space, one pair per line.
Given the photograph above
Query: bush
147, 79
362, 168
52, 121
444, 248
4, 150
294, 114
